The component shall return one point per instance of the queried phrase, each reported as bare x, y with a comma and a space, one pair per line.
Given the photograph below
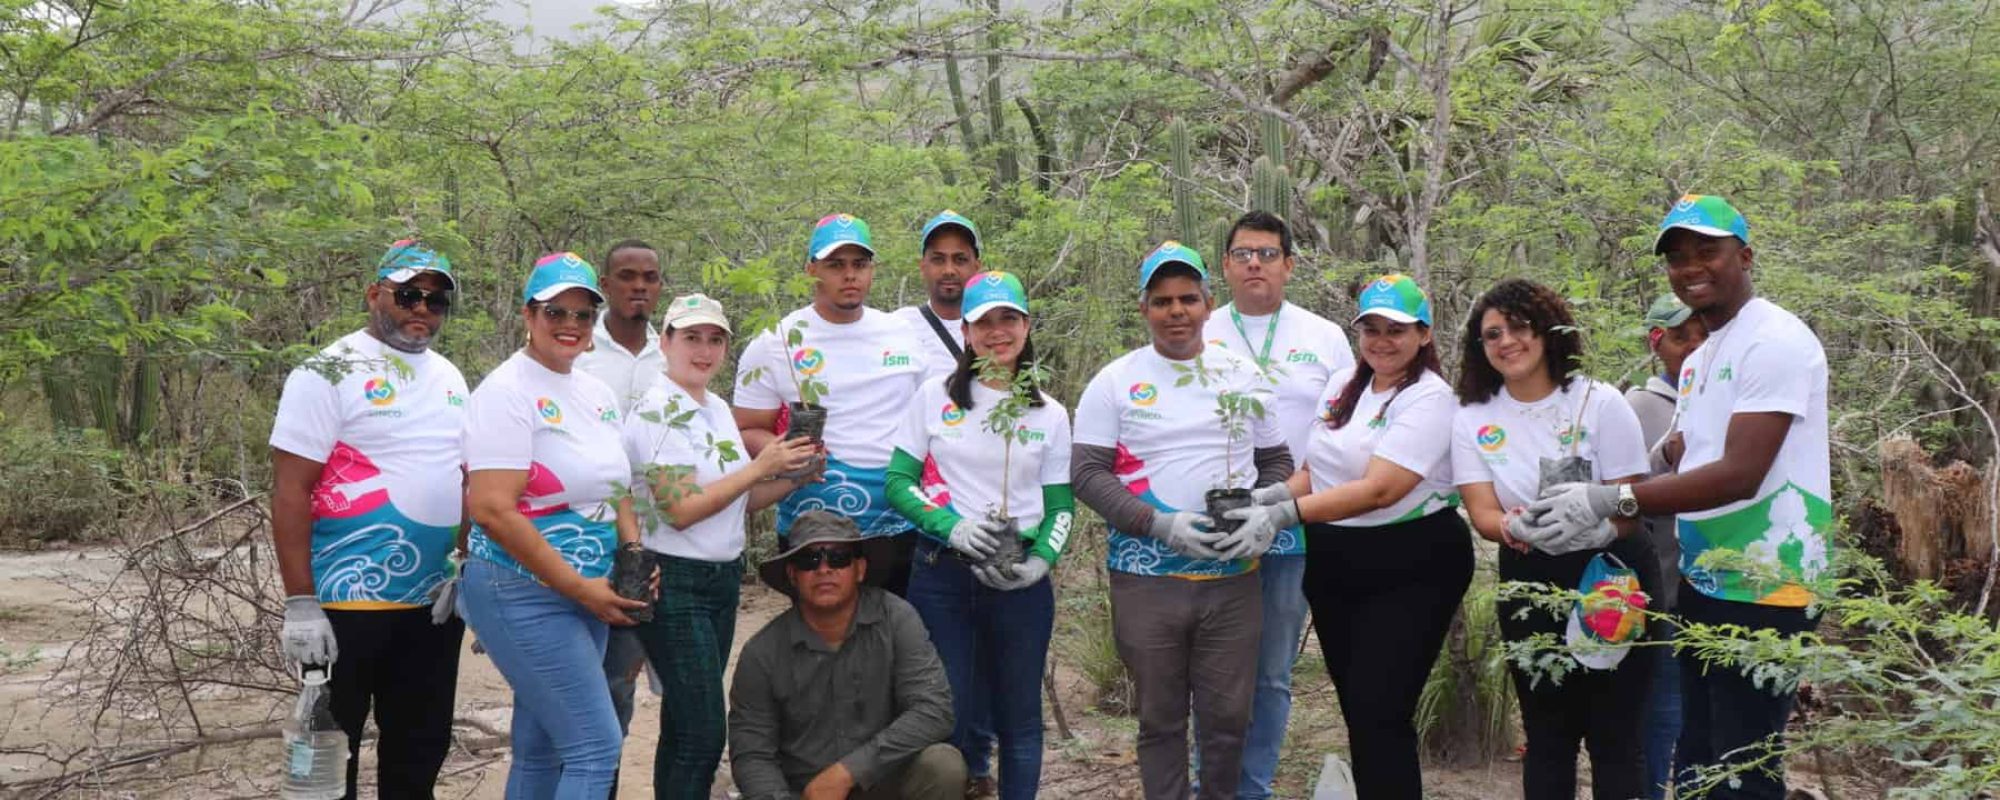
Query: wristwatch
1628, 503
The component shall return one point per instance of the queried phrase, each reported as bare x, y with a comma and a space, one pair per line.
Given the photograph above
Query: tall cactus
1187, 219
1270, 187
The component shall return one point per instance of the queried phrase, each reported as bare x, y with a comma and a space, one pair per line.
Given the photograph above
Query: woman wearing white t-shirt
989, 615
1525, 404
689, 462
1387, 556
544, 467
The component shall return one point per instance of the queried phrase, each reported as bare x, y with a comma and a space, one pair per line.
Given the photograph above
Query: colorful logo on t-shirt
550, 412
1144, 394
891, 358
379, 391
952, 414
808, 360
607, 414
1025, 434
1491, 438
1687, 381
454, 399
1301, 356
1571, 435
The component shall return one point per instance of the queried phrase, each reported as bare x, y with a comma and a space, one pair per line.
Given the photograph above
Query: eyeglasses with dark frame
556, 314
809, 559
1242, 255
439, 301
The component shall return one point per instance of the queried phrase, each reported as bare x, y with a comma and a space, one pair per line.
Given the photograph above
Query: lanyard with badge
1270, 333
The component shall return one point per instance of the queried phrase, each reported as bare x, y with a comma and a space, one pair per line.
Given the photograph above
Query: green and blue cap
990, 290
950, 218
834, 231
1397, 298
407, 258
1667, 312
1171, 252
556, 273
1705, 214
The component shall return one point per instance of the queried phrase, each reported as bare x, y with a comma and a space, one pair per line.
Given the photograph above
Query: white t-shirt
1503, 440
938, 361
1305, 350
389, 500
562, 429
871, 368
963, 459
1764, 360
1412, 432
628, 375
668, 427
1171, 447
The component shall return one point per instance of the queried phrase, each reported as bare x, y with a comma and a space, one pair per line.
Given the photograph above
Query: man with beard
367, 511
950, 255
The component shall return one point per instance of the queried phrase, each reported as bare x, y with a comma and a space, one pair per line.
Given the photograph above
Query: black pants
1382, 601
1603, 709
1721, 710
406, 669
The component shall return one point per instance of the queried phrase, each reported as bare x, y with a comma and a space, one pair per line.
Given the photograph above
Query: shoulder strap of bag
937, 326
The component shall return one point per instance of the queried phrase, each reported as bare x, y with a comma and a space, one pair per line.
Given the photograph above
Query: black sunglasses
438, 300
556, 314
808, 559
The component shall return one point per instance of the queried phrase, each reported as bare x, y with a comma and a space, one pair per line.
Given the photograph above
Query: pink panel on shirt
1127, 464
541, 483
349, 485
933, 485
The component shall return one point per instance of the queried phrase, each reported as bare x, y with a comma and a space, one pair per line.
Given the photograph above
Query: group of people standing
1252, 474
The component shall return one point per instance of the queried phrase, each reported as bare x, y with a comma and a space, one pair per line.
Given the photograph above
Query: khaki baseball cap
689, 310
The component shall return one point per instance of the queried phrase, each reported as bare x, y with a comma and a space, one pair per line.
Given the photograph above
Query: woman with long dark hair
1530, 420
1387, 556
982, 466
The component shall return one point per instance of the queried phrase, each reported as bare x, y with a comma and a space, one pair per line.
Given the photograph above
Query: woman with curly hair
1530, 419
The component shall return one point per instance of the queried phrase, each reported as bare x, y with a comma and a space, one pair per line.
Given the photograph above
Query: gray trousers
1185, 639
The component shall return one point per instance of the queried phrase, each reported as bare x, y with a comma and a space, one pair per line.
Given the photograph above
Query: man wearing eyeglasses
842, 695
367, 512
867, 363
1299, 351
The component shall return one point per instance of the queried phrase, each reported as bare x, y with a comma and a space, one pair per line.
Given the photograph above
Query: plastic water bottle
315, 746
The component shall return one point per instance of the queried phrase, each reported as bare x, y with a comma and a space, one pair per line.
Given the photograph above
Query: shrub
57, 486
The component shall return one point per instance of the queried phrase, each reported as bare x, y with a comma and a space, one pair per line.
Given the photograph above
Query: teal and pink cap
1397, 298
556, 273
835, 231
1705, 214
1171, 252
990, 290
408, 258
951, 219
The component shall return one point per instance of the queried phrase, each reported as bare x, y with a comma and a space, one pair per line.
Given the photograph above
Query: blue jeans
1663, 721
551, 651
1271, 707
994, 646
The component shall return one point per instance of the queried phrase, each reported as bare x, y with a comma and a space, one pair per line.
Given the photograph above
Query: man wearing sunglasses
1299, 351
842, 695
367, 506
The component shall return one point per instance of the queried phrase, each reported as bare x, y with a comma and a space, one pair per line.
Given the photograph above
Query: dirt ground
36, 628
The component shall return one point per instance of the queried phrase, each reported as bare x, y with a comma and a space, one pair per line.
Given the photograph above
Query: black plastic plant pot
631, 574
1013, 549
1568, 469
808, 421
1220, 500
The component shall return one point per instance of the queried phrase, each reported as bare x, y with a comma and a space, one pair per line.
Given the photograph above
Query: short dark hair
626, 244
1533, 305
1259, 221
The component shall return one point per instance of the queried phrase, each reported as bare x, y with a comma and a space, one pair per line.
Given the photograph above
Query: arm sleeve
499, 431
1621, 443
923, 700
308, 420
906, 494
1776, 375
1274, 464
760, 375
1058, 502
1466, 466
1419, 434
753, 731
1094, 483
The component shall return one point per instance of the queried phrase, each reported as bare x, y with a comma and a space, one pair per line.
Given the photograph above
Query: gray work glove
444, 599
1187, 533
1574, 505
973, 540
1568, 539
308, 635
1260, 526
1271, 495
1014, 576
